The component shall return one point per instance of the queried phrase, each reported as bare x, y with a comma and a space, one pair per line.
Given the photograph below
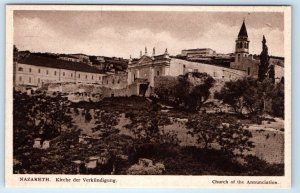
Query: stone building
143, 71
198, 52
34, 71
121, 77
242, 60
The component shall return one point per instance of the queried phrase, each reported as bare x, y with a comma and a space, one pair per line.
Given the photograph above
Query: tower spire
242, 44
243, 30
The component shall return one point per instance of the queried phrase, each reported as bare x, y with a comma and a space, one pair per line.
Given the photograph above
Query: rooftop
50, 62
243, 31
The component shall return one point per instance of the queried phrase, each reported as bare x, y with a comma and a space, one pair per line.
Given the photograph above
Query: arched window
241, 45
239, 57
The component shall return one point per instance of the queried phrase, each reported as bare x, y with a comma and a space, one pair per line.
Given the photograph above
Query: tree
40, 115
272, 73
233, 138
165, 86
106, 124
228, 134
278, 100
204, 128
190, 90
240, 94
147, 127
197, 89
264, 61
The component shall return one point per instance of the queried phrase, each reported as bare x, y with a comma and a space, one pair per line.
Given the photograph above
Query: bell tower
242, 44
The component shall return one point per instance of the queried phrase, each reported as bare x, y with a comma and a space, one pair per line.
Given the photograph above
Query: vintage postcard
148, 96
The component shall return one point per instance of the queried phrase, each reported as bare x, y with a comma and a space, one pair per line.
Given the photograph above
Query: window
71, 74
107, 82
78, 75
113, 81
20, 69
54, 73
239, 57
85, 76
29, 79
20, 78
47, 72
248, 70
183, 66
63, 73
215, 74
39, 70
29, 69
92, 77
119, 81
99, 77
134, 77
157, 73
39, 80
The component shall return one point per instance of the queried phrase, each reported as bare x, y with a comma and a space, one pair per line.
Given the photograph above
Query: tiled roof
51, 62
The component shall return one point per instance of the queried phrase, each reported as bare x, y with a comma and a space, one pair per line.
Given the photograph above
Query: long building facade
33, 71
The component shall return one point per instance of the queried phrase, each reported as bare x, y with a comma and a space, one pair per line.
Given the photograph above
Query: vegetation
190, 90
264, 62
148, 140
251, 95
229, 136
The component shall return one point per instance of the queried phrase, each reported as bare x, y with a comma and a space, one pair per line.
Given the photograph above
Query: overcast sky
123, 34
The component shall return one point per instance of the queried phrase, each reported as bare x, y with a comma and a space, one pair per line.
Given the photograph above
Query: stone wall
180, 67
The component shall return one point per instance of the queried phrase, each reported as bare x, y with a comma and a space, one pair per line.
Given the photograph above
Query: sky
121, 34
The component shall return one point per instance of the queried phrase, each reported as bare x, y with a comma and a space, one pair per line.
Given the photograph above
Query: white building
35, 70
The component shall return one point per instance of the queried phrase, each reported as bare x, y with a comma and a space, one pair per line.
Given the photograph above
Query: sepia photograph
107, 91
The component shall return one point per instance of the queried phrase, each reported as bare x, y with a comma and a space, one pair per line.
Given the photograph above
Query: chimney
153, 51
146, 51
141, 54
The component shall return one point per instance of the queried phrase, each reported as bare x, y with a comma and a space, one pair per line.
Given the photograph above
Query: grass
182, 160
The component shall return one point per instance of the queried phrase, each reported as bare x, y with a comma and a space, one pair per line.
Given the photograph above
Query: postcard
142, 96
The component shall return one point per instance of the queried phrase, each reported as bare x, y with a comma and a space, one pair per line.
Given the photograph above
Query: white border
12, 180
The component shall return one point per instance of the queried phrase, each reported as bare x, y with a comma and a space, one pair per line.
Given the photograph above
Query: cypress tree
264, 61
